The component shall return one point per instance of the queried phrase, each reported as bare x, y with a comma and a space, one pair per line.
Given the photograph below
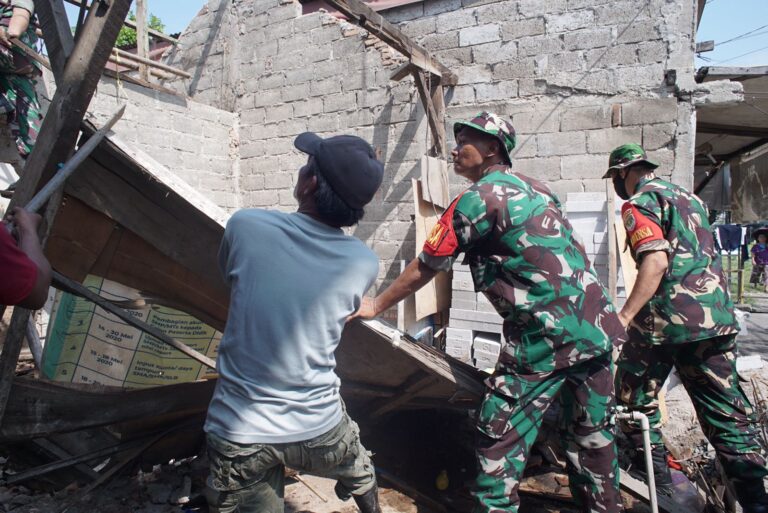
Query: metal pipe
645, 427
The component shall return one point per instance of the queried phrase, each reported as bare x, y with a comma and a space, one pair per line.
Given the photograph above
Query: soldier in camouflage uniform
680, 315
559, 322
18, 75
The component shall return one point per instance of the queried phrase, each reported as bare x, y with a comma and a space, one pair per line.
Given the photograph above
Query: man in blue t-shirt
294, 279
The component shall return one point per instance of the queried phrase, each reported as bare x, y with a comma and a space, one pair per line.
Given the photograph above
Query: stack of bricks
474, 333
474, 330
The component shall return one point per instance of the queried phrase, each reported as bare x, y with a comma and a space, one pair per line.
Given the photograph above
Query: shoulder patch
640, 228
442, 240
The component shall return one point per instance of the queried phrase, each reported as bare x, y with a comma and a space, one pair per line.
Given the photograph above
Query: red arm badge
442, 240
640, 228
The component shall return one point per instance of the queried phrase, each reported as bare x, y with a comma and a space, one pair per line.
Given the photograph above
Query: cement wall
577, 77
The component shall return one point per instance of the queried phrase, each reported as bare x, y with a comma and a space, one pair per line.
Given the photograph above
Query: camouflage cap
492, 124
627, 155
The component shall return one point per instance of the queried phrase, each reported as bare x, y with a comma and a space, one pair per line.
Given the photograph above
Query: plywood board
435, 296
434, 180
628, 266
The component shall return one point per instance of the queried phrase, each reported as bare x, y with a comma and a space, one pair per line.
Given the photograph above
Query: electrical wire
742, 55
741, 36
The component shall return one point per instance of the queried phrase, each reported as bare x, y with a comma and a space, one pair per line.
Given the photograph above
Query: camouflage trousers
249, 478
18, 99
707, 369
509, 424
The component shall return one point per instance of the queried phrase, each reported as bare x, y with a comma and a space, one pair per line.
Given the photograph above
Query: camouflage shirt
692, 302
523, 255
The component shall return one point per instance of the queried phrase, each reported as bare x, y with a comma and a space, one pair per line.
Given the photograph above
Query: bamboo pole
150, 62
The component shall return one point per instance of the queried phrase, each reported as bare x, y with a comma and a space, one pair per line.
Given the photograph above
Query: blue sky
727, 19
722, 20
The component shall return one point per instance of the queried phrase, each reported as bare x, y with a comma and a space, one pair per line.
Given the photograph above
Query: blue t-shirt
294, 281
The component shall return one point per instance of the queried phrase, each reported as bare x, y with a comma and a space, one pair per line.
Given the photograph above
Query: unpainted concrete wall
577, 78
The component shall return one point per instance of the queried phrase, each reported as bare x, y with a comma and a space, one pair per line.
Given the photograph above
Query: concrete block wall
576, 77
196, 141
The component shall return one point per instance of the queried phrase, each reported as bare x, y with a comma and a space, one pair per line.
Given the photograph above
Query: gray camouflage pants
249, 478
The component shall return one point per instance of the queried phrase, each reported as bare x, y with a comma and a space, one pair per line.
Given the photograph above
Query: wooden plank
419, 381
435, 296
42, 408
434, 181
705, 46
57, 34
611, 213
438, 101
142, 38
628, 265
150, 63
135, 80
737, 130
62, 282
377, 25
403, 71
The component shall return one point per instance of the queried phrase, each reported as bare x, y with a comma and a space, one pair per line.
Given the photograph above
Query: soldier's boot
661, 473
369, 501
751, 495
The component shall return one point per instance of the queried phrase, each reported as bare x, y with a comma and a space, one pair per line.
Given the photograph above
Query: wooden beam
737, 130
438, 102
705, 46
403, 71
150, 62
56, 33
62, 282
129, 23
732, 72
57, 140
612, 267
377, 25
142, 38
433, 118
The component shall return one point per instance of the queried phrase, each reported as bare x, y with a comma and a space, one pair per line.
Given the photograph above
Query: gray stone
569, 21
516, 68
642, 112
541, 168
561, 143
607, 139
659, 136
584, 118
496, 91
516, 29
492, 53
539, 45
587, 38
479, 35
584, 166
531, 8
452, 21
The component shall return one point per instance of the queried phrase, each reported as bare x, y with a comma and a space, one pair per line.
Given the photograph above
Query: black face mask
620, 186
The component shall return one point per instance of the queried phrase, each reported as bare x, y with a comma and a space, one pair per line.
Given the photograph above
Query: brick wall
577, 77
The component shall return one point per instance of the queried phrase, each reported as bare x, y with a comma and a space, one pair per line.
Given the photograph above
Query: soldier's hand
624, 320
367, 309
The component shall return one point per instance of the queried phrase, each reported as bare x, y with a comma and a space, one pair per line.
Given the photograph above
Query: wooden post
57, 138
142, 37
56, 34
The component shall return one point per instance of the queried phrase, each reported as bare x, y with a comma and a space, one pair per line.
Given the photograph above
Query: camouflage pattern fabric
509, 426
692, 302
559, 329
492, 124
628, 155
707, 368
18, 97
523, 255
249, 478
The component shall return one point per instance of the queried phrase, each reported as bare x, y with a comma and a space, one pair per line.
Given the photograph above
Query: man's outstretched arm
416, 275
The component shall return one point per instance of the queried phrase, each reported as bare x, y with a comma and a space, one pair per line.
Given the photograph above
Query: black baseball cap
348, 163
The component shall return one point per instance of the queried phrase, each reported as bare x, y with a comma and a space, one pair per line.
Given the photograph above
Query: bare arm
17, 26
416, 275
29, 243
652, 269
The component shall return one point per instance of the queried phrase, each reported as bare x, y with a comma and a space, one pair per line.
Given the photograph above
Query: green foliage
127, 35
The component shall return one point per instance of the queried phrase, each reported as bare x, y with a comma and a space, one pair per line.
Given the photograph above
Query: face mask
620, 187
